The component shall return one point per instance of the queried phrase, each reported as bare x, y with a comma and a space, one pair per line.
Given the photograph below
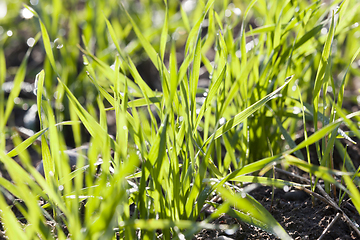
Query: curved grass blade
319, 171
15, 91
89, 122
11, 223
149, 49
279, 183
354, 192
46, 39
323, 70
246, 113
247, 204
164, 33
211, 94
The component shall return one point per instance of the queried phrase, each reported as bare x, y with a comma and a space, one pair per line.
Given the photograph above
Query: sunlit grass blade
89, 122
354, 192
153, 55
164, 33
2, 97
46, 39
19, 78
323, 65
319, 171
342, 86
30, 140
112, 34
288, 139
279, 183
254, 210
11, 223
247, 112
210, 96
194, 32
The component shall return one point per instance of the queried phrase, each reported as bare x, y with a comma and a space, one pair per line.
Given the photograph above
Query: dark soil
299, 218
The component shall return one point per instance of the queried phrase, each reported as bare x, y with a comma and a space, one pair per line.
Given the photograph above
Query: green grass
272, 69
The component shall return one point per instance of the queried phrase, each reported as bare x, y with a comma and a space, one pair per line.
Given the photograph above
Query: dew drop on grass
61, 187
175, 36
17, 100
243, 195
230, 231
9, 33
25, 13
58, 43
222, 121
286, 188
259, 21
227, 13
188, 5
25, 106
3, 9
34, 2
324, 31
237, 11
30, 42
296, 110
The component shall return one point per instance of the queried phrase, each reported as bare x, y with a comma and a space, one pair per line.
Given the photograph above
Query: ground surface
299, 218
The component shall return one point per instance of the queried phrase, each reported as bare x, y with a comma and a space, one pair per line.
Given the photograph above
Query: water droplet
3, 9
222, 121
286, 188
175, 36
237, 11
58, 43
324, 31
227, 13
188, 5
9, 33
230, 231
296, 110
34, 2
17, 100
30, 42
26, 13
243, 195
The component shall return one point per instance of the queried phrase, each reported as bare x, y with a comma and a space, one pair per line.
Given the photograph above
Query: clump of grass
174, 148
